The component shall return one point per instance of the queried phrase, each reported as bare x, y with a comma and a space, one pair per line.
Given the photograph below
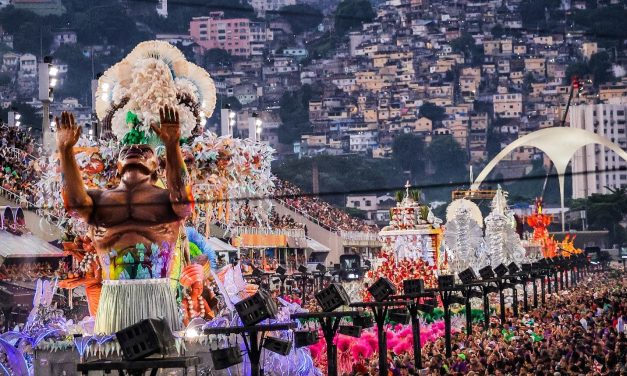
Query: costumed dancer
194, 305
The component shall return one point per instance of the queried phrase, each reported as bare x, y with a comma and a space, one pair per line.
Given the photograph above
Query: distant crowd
317, 210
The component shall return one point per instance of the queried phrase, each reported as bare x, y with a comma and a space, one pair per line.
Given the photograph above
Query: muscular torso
123, 218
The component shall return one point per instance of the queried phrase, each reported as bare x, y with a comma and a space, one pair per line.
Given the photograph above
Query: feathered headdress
153, 75
192, 273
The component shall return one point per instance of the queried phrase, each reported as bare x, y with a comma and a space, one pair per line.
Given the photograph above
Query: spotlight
277, 345
280, 270
486, 272
526, 268
501, 270
226, 357
467, 276
513, 268
350, 330
445, 281
256, 308
145, 338
457, 299
413, 286
303, 269
381, 289
364, 321
473, 293
304, 338
332, 297
257, 273
399, 316
321, 268
53, 71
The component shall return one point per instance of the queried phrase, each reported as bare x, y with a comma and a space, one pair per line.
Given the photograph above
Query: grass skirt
125, 302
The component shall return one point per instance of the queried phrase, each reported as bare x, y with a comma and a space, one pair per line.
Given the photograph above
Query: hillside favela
309, 188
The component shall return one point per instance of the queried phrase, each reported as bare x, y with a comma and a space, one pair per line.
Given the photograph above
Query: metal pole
468, 314
415, 330
447, 327
486, 309
535, 294
515, 300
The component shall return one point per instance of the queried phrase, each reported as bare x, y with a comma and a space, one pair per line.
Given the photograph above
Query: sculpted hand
170, 130
68, 132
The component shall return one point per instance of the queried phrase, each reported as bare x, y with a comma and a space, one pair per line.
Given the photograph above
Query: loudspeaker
381, 289
145, 338
332, 297
256, 308
226, 357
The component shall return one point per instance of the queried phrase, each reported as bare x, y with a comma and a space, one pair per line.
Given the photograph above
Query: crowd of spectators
275, 220
319, 211
19, 170
26, 272
580, 331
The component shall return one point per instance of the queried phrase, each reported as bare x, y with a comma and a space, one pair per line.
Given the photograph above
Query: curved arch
559, 144
18, 217
6, 214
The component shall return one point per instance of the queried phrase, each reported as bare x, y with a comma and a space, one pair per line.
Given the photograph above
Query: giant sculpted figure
133, 226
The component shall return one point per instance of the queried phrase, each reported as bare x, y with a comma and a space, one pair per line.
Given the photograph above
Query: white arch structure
559, 144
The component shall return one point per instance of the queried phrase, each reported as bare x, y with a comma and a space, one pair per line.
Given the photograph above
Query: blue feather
197, 238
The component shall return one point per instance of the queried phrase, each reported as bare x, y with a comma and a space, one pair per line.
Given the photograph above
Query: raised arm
75, 198
178, 179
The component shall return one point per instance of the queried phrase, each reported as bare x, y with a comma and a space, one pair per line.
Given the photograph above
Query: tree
351, 14
600, 66
432, 112
76, 83
301, 17
218, 57
605, 212
448, 159
466, 45
408, 152
294, 113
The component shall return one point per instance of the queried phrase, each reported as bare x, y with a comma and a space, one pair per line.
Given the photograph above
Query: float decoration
463, 238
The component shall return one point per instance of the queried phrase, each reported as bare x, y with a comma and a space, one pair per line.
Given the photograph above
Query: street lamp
47, 81
14, 117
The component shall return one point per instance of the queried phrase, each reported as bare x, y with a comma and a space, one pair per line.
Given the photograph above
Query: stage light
513, 268
526, 268
304, 338
332, 297
413, 286
280, 270
399, 316
321, 268
145, 338
303, 269
486, 272
501, 270
277, 345
381, 289
256, 308
350, 330
226, 357
446, 280
365, 321
467, 276
426, 308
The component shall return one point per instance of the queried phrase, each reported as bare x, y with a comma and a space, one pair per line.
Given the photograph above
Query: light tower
47, 81
227, 120
14, 118
255, 127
